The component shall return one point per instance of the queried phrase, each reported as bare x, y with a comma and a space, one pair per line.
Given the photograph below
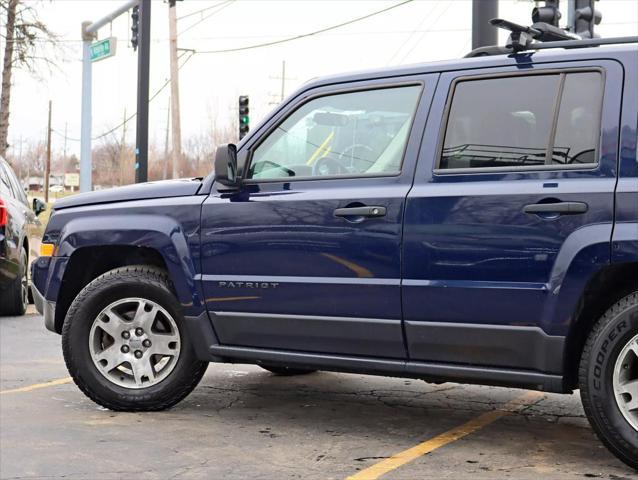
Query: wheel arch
603, 290
88, 263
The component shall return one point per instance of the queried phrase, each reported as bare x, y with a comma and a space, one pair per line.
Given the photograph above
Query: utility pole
20, 161
86, 164
66, 129
484, 34
123, 148
168, 126
143, 67
283, 78
178, 168
89, 32
47, 167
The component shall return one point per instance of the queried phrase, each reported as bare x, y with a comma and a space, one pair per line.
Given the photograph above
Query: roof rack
590, 42
523, 39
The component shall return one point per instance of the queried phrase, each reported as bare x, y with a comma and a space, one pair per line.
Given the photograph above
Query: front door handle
360, 212
563, 208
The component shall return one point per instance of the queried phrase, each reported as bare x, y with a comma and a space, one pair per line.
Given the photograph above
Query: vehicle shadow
379, 417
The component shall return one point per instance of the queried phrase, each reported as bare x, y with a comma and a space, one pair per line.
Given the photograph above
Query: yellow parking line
406, 456
30, 388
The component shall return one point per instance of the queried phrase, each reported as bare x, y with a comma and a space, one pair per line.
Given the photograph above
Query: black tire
617, 327
141, 281
287, 371
14, 300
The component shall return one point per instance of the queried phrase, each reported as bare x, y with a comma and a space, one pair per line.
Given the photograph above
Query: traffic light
585, 17
135, 26
547, 14
244, 119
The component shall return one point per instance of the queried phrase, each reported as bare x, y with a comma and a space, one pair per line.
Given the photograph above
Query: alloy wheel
134, 343
626, 382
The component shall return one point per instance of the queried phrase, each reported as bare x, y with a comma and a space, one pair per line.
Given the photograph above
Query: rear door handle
564, 208
360, 212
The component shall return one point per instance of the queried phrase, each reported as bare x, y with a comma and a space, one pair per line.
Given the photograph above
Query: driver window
357, 133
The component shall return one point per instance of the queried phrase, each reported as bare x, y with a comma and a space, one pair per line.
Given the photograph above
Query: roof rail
590, 42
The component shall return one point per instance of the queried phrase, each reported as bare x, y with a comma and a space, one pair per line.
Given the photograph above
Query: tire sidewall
85, 308
608, 420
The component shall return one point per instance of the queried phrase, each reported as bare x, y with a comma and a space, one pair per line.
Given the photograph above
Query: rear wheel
124, 342
287, 371
15, 299
608, 378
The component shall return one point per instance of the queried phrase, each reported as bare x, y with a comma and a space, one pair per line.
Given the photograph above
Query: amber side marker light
47, 249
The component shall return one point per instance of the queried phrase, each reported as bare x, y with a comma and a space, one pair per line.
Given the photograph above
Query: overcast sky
422, 30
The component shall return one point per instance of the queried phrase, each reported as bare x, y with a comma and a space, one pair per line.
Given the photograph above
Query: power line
412, 33
309, 34
222, 6
201, 11
131, 117
423, 35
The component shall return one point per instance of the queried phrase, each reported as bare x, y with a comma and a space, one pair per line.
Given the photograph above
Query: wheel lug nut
126, 335
139, 332
138, 354
146, 343
125, 349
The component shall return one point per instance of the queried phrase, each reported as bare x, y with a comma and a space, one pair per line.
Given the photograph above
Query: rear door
518, 196
307, 255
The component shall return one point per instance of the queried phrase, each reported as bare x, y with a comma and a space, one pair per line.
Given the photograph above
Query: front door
511, 214
306, 255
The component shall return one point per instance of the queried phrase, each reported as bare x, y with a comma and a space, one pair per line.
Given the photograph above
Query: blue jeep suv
467, 221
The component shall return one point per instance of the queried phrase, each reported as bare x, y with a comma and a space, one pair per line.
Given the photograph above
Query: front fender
174, 235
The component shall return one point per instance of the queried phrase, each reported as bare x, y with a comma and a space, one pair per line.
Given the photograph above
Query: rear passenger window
524, 121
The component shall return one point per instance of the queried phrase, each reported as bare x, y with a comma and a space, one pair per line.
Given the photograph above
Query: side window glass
516, 122
357, 133
4, 180
500, 122
578, 124
17, 187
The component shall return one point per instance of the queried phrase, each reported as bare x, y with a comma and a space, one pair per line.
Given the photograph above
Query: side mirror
38, 206
226, 165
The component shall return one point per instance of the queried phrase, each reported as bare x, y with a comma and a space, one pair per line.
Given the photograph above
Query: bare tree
106, 162
26, 41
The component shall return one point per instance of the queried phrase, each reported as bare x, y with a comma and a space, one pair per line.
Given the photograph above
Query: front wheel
608, 378
125, 345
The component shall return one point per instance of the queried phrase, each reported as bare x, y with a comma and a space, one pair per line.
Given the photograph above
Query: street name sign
103, 49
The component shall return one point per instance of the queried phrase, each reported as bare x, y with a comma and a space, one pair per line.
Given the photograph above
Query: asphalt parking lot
243, 422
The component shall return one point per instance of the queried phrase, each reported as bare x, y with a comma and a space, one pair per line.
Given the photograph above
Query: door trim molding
374, 337
493, 346
290, 279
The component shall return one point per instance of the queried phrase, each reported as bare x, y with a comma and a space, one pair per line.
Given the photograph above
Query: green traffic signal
244, 119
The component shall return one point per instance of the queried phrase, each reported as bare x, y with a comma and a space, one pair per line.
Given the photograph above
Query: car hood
140, 191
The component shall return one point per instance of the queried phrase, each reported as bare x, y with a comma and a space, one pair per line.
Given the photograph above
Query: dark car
17, 228
470, 221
